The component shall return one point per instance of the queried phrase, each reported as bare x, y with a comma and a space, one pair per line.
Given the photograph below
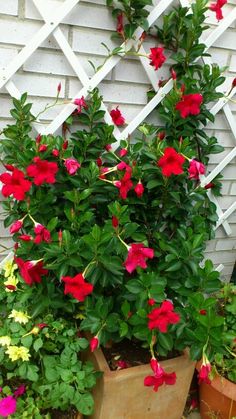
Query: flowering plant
113, 236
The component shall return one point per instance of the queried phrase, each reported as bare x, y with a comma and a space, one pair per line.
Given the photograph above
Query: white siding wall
89, 24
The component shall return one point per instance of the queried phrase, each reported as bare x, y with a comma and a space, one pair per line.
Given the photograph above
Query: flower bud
151, 302
42, 148
65, 145
234, 82
94, 342
99, 162
108, 147
59, 88
139, 189
173, 74
16, 226
123, 152
55, 152
115, 221
38, 139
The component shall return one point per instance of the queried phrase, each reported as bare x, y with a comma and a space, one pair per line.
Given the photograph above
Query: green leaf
38, 343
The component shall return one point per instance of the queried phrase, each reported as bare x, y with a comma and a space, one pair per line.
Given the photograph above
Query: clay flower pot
121, 394
218, 399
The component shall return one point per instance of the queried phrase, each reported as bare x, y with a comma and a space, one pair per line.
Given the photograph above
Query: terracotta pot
121, 394
218, 399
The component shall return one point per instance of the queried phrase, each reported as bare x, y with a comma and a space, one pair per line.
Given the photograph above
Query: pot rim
221, 384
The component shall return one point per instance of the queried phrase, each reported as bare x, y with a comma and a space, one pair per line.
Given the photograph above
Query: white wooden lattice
51, 26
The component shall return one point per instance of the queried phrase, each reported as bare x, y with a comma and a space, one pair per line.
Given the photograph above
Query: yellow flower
13, 281
5, 340
9, 268
18, 352
19, 316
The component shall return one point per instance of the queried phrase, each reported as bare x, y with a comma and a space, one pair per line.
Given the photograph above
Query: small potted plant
218, 392
113, 238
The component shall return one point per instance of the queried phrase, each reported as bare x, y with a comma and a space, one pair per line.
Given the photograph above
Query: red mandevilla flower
160, 376
38, 139
94, 342
124, 185
72, 165
173, 74
42, 234
171, 162
15, 184
137, 255
157, 57
234, 82
209, 185
203, 376
80, 103
42, 171
59, 88
161, 317
65, 145
139, 189
117, 117
121, 364
195, 169
77, 287
216, 7
31, 270
16, 226
189, 105
161, 135
108, 147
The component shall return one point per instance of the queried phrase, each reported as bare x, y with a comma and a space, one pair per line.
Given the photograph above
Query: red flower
171, 163
72, 165
137, 255
77, 287
94, 342
161, 317
42, 234
124, 166
42, 148
117, 117
195, 169
42, 171
120, 24
25, 237
234, 82
216, 7
189, 105
160, 376
15, 184
80, 103
193, 404
124, 185
16, 226
139, 189
31, 270
157, 57
204, 372
115, 221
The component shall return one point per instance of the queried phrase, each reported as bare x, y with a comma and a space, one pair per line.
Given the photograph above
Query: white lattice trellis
51, 26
